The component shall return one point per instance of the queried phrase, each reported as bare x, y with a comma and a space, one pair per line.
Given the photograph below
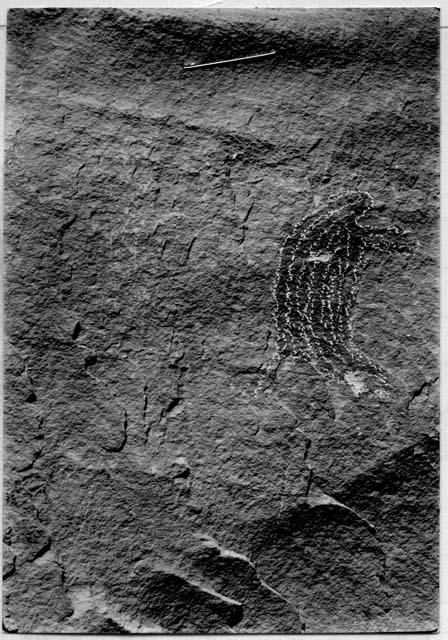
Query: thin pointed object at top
259, 56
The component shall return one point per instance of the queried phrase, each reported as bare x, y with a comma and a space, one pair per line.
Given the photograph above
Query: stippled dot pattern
317, 281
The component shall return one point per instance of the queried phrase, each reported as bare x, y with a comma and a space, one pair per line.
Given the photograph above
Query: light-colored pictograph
317, 283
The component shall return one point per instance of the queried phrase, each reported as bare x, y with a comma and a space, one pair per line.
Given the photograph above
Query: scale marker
259, 56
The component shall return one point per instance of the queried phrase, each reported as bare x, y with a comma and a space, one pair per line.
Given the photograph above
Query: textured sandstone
159, 476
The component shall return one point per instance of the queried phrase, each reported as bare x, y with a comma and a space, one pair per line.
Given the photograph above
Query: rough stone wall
164, 468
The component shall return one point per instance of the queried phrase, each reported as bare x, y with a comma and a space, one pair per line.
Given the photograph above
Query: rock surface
165, 470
